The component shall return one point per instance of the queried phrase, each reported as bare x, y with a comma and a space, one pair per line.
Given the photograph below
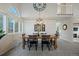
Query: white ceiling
27, 10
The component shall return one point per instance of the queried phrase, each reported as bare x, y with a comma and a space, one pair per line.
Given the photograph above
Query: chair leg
51, 43
23, 45
42, 47
36, 47
29, 47
55, 45
48, 45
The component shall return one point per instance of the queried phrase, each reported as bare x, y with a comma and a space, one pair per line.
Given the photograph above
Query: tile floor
64, 49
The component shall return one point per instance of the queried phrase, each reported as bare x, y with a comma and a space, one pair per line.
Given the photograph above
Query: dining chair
33, 40
55, 41
24, 40
45, 41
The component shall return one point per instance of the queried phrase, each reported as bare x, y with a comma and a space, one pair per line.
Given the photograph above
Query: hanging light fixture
39, 20
39, 7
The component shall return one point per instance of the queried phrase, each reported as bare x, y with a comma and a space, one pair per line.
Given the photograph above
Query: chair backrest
45, 37
23, 36
55, 37
32, 37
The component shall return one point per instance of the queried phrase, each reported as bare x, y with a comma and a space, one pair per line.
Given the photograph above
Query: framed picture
75, 29
39, 27
43, 27
35, 27
74, 35
65, 27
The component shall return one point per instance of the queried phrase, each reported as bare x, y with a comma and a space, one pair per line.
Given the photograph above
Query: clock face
39, 6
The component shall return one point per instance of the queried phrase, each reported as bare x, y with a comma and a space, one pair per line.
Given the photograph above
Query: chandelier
39, 21
39, 24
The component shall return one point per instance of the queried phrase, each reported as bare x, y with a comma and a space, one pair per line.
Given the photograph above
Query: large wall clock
39, 6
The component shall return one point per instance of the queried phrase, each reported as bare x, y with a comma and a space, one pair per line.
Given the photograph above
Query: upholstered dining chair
52, 40
33, 40
24, 37
45, 41
55, 41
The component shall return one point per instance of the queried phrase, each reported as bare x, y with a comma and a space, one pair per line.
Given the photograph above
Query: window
14, 11
16, 26
2, 25
64, 9
20, 27
1, 22
10, 24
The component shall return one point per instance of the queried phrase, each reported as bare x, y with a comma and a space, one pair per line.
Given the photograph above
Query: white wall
76, 32
29, 11
76, 20
66, 34
75, 7
50, 26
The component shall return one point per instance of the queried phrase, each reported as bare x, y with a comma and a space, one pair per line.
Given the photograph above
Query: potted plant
1, 33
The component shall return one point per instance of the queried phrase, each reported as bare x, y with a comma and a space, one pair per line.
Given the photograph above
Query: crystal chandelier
39, 21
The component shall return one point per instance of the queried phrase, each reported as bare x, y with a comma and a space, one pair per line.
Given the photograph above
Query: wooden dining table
45, 40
